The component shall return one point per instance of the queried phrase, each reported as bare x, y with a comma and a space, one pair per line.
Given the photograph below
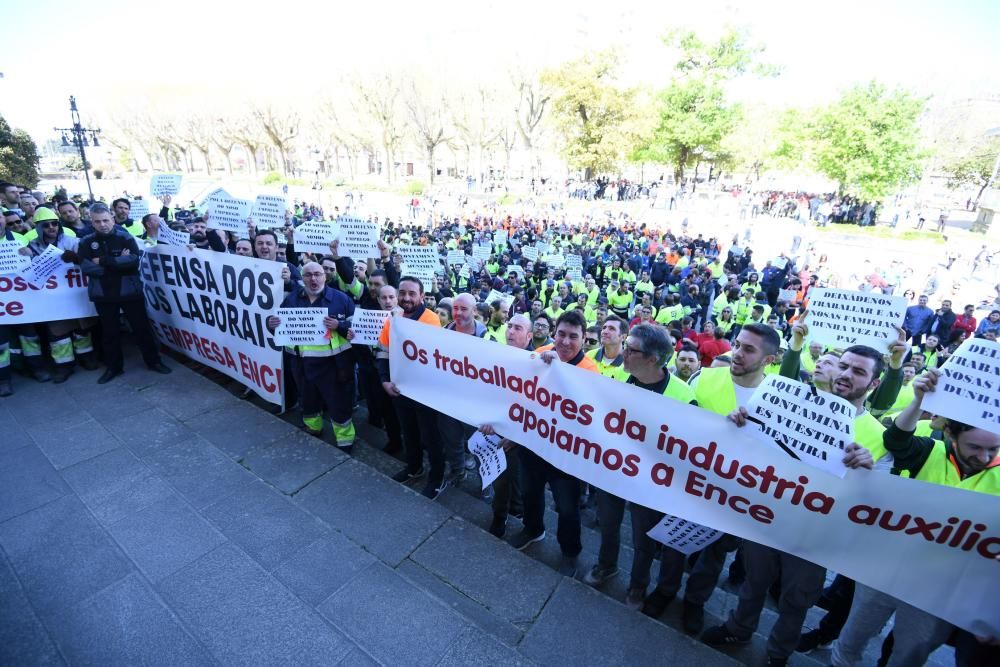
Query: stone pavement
161, 520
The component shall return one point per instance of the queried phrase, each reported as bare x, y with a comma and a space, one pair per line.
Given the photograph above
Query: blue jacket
339, 306
918, 320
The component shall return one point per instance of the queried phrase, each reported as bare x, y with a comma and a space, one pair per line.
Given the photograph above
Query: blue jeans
536, 472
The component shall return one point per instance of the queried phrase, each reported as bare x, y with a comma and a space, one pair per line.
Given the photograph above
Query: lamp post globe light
81, 137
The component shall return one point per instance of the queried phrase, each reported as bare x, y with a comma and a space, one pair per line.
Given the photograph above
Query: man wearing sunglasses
68, 339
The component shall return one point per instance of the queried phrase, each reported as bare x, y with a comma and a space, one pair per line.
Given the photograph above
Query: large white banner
63, 296
212, 306
932, 546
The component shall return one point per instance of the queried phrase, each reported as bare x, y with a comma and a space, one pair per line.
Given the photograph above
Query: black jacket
115, 277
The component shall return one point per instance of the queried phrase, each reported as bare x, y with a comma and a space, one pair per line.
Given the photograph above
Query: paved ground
160, 520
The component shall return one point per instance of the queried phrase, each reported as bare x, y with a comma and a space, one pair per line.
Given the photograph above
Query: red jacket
966, 324
710, 349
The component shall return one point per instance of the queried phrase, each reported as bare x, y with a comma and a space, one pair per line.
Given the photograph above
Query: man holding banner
967, 458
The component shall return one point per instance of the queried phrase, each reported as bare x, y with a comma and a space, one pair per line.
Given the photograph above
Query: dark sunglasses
48, 223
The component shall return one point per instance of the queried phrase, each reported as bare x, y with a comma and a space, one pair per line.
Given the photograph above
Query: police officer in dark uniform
110, 259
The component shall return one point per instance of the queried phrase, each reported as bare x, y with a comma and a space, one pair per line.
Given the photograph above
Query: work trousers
326, 383
610, 514
507, 487
671, 560
135, 314
801, 585
704, 575
419, 424
536, 472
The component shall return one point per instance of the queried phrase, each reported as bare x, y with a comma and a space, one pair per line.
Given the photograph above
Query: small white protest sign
161, 185
229, 214
171, 237
492, 461
530, 252
314, 237
968, 390
481, 252
456, 257
500, 237
812, 426
301, 326
269, 211
574, 262
495, 295
212, 197
555, 261
358, 238
575, 275
367, 325
44, 266
138, 209
842, 318
421, 261
779, 262
464, 272
682, 535
787, 295
515, 268
11, 260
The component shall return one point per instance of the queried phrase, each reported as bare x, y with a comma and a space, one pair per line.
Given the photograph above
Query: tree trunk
430, 160
229, 162
975, 202
388, 163
208, 160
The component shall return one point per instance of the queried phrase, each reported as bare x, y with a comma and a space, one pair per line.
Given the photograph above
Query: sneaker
488, 494
656, 603
470, 462
568, 566
599, 574
6, 389
456, 476
498, 528
634, 598
434, 489
524, 538
404, 475
811, 641
693, 618
719, 635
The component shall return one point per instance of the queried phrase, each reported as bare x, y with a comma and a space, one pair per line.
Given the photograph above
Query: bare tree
477, 124
198, 131
427, 117
247, 133
281, 128
529, 110
225, 143
378, 100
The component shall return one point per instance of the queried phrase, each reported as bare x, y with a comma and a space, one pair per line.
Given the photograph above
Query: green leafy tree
693, 114
868, 140
974, 168
18, 156
594, 114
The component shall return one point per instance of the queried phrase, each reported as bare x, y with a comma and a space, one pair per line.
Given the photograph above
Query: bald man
519, 332
454, 432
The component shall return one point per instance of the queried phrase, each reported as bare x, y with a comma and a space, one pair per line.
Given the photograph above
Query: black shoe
6, 389
656, 603
87, 361
811, 641
719, 635
404, 476
776, 662
693, 618
108, 376
161, 368
568, 566
498, 528
61, 373
41, 375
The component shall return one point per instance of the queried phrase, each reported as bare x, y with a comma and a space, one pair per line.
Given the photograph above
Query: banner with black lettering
212, 306
932, 546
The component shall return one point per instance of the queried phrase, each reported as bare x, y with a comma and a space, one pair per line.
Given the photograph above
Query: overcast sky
285, 48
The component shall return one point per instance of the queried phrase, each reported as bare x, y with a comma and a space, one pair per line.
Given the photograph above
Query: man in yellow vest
722, 390
324, 373
968, 458
609, 357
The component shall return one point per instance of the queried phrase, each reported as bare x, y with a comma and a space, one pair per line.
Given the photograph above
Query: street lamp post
80, 137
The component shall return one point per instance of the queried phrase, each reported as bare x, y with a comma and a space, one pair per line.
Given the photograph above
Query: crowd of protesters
699, 320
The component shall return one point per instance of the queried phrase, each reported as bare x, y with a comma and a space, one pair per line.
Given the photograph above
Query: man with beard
69, 215
110, 259
609, 357
121, 208
966, 458
204, 238
540, 328
688, 361
419, 423
244, 248
324, 373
